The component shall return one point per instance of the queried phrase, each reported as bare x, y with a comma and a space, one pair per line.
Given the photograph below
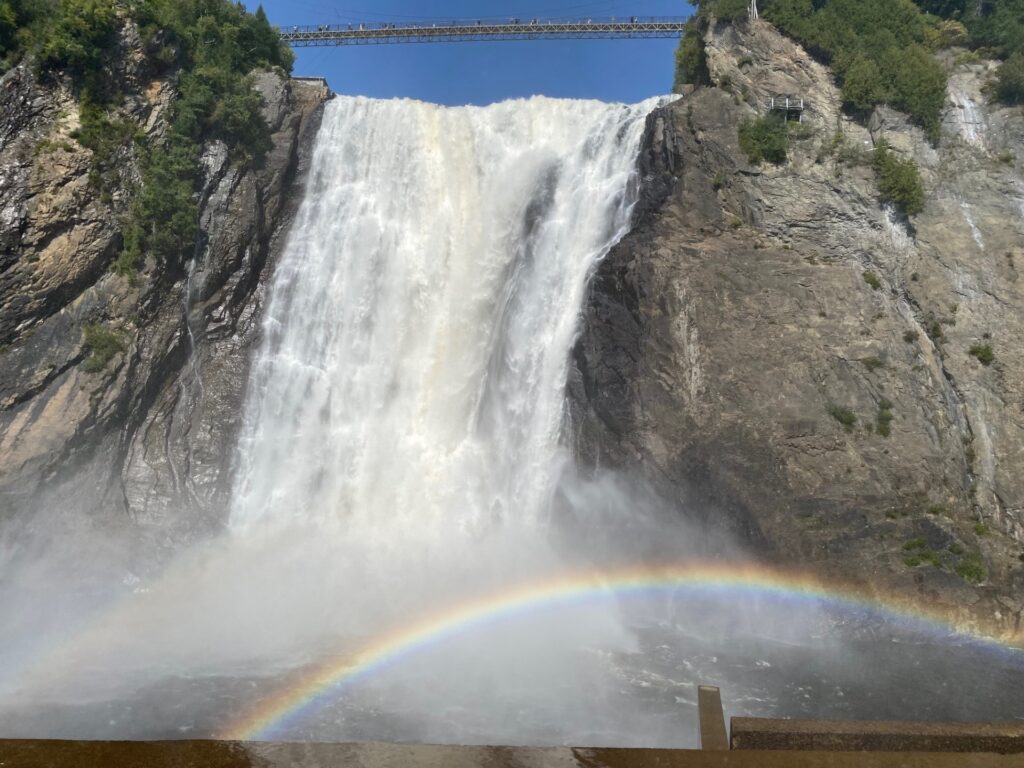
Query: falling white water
897, 229
969, 119
969, 218
419, 327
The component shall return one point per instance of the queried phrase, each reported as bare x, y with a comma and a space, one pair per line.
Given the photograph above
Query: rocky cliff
136, 423
784, 356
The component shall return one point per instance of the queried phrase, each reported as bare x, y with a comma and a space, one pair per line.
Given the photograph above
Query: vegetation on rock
871, 278
971, 568
102, 344
876, 48
691, 60
764, 139
844, 416
209, 46
1010, 81
899, 181
996, 24
984, 353
883, 423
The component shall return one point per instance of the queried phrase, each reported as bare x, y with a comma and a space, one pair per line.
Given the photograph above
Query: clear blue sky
482, 73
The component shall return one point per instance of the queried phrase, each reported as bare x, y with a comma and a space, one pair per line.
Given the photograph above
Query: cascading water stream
418, 334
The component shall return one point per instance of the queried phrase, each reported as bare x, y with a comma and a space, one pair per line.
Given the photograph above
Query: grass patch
981, 529
102, 344
872, 363
872, 279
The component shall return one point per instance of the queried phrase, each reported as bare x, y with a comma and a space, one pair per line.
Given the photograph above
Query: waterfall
419, 325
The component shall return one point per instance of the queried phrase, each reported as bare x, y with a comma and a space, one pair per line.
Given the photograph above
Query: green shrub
764, 139
691, 59
944, 33
1010, 80
872, 279
1000, 27
899, 181
921, 554
19, 23
872, 363
844, 416
981, 529
103, 345
726, 10
883, 422
984, 353
971, 568
910, 336
105, 137
77, 39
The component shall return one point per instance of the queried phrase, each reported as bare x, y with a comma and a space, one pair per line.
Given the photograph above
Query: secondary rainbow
327, 680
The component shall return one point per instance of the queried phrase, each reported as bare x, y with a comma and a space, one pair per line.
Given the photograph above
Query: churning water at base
405, 513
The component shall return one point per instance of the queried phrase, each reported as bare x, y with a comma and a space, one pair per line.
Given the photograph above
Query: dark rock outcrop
752, 310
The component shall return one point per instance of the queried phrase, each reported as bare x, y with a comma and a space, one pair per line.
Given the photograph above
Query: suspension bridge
632, 27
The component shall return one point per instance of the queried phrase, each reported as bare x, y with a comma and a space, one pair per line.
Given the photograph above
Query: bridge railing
482, 29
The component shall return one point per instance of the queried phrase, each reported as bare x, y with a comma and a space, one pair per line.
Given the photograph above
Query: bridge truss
475, 31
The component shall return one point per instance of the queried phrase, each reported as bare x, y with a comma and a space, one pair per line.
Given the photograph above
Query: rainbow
325, 681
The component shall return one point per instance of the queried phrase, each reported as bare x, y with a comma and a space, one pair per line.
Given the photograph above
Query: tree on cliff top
876, 48
209, 46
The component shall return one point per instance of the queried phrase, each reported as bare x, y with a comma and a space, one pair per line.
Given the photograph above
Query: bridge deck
469, 31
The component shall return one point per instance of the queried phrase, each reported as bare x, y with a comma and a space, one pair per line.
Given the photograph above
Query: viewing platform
790, 107
630, 27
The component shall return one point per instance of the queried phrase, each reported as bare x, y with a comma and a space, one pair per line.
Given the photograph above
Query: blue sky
482, 73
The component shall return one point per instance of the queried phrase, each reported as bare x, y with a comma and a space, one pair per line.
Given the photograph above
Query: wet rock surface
755, 309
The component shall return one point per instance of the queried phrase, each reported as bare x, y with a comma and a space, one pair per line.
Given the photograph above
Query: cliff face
750, 305
147, 439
